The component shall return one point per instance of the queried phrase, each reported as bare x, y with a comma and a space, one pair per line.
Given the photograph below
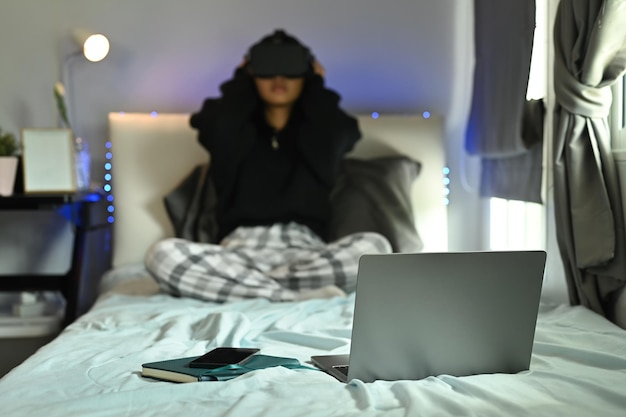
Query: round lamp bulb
96, 47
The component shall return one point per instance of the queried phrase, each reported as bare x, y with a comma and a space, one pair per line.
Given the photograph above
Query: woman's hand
318, 68
243, 62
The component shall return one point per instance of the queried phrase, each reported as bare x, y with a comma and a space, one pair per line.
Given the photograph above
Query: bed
578, 366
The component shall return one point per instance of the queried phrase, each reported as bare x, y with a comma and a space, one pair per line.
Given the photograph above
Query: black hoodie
259, 183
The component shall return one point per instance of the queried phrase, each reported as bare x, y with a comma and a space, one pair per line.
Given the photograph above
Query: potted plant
8, 162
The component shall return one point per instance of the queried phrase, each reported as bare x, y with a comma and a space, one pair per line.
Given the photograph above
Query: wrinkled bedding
578, 366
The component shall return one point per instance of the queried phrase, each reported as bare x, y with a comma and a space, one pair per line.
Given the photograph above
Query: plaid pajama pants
282, 262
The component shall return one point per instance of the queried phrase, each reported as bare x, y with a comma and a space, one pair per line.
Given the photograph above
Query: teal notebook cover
178, 370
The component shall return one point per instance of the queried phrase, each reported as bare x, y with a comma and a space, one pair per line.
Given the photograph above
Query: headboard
152, 153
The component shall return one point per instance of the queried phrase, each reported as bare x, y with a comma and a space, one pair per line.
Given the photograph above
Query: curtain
504, 129
590, 54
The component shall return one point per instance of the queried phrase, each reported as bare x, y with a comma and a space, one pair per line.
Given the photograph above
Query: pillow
191, 207
375, 195
372, 195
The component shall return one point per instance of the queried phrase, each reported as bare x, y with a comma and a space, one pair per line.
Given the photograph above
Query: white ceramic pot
8, 170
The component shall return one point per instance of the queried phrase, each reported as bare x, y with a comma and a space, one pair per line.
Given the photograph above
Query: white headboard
153, 153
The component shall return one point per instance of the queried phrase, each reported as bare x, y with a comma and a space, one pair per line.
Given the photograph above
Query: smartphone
222, 356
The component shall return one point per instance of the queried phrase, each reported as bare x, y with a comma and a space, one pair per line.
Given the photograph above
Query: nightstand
82, 221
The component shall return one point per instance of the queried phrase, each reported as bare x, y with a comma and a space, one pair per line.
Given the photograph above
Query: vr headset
271, 59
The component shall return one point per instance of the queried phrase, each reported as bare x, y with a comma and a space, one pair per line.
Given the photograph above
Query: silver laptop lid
424, 314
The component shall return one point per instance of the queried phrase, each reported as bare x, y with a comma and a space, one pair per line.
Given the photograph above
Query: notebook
429, 314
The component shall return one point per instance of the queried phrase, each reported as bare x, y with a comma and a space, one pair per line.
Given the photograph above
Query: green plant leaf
8, 144
60, 101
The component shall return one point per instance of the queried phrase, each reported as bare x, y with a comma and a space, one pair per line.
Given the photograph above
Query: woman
276, 137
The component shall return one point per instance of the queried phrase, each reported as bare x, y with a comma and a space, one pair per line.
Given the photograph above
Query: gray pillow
191, 207
370, 195
375, 195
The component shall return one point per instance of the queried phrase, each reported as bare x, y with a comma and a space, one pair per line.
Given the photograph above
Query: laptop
428, 314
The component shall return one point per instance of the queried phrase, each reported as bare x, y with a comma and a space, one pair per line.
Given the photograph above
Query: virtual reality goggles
284, 59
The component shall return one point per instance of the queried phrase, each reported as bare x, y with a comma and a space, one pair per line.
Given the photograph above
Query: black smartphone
222, 356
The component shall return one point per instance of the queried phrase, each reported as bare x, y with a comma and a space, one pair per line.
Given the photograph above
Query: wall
398, 56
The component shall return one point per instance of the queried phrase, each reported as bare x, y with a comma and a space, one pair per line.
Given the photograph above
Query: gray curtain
590, 54
504, 129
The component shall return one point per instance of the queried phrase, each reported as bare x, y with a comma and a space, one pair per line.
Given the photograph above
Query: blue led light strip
446, 186
108, 177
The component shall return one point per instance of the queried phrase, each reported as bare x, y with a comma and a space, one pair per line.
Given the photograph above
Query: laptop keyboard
342, 368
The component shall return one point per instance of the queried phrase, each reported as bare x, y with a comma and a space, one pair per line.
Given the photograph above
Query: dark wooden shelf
91, 253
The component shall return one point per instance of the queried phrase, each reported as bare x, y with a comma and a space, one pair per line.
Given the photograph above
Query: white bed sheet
578, 366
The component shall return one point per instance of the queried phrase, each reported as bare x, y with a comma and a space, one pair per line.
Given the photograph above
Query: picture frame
48, 161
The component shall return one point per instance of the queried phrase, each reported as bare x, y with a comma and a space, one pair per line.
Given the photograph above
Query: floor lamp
94, 47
